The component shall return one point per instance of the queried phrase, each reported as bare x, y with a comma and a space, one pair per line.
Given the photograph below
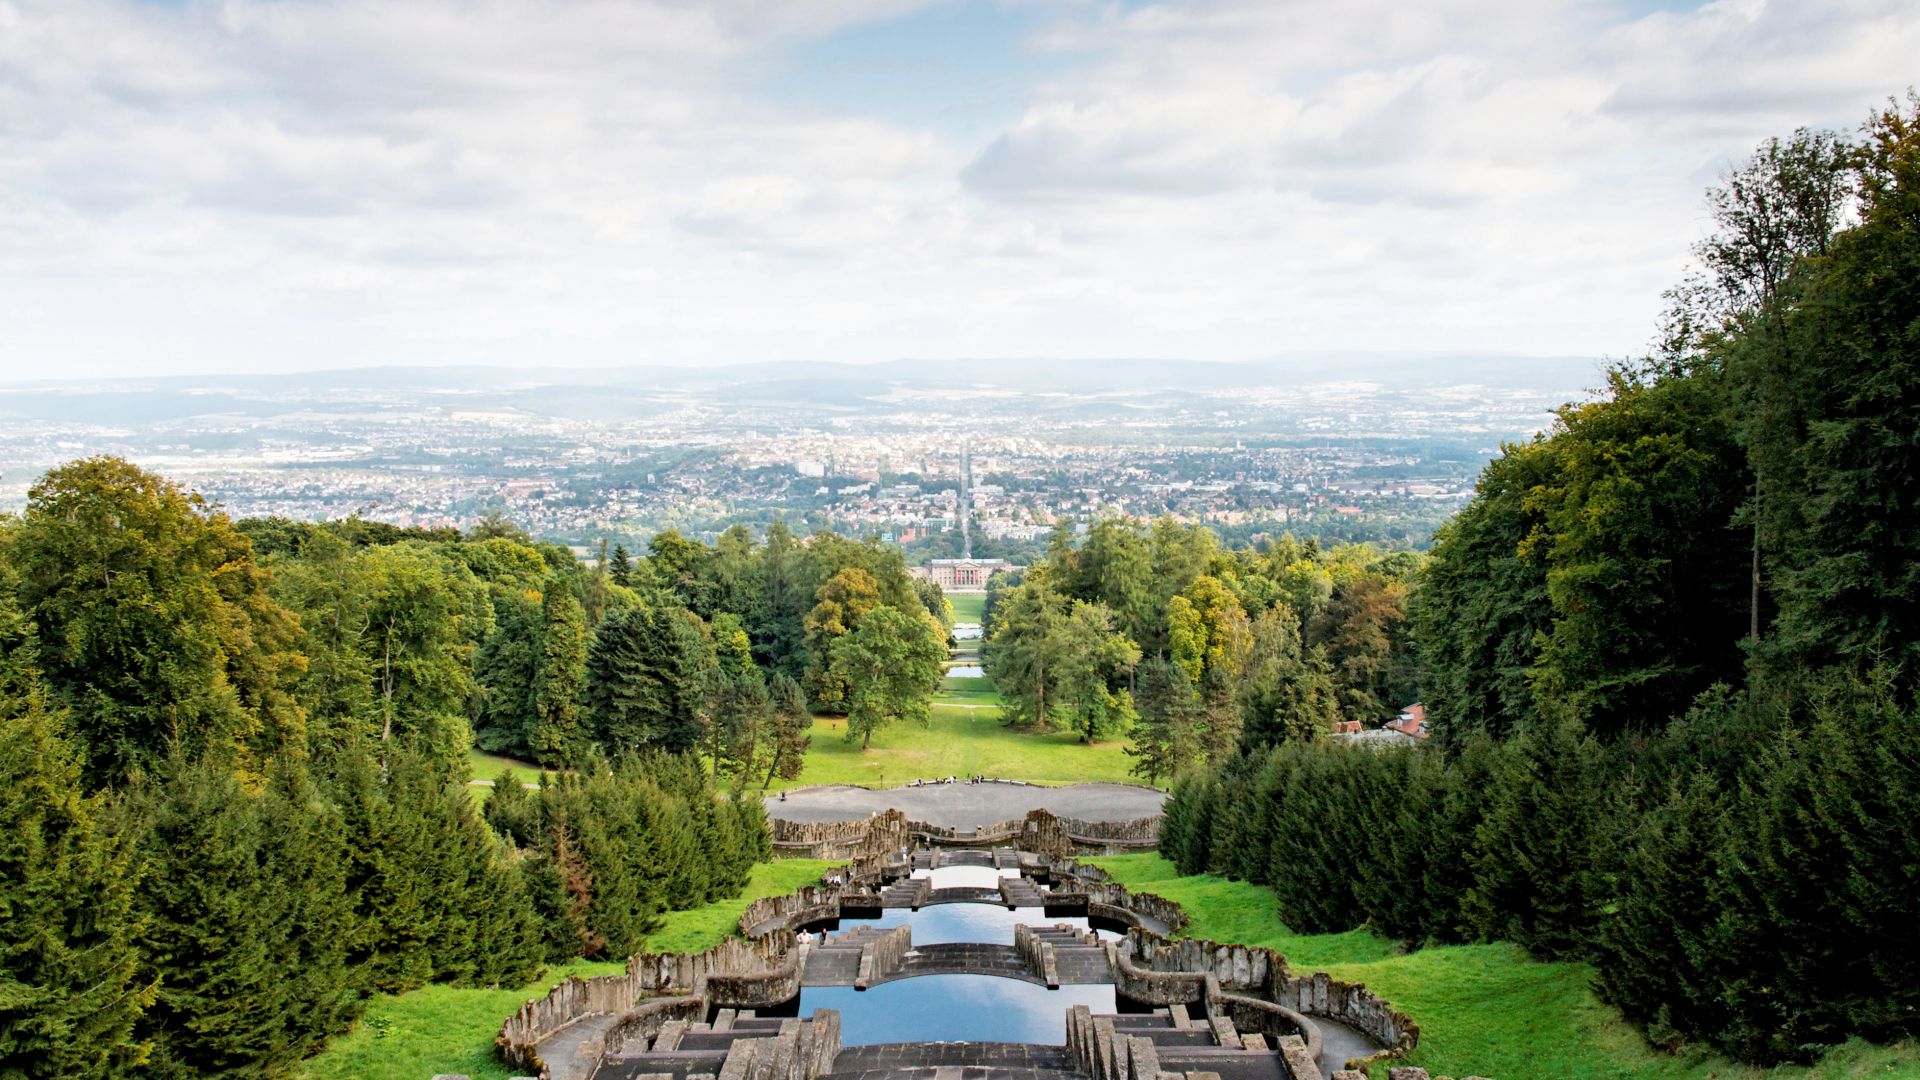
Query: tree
557, 729
1832, 430
1287, 692
1094, 658
935, 601
496, 525
154, 622
1166, 739
505, 667
1482, 608
620, 566
791, 723
1207, 631
649, 677
841, 604
890, 665
426, 615
1364, 634
1021, 654
680, 566
777, 619
69, 995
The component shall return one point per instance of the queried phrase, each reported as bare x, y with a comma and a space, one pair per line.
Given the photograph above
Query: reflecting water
987, 923
954, 1008
967, 877
966, 671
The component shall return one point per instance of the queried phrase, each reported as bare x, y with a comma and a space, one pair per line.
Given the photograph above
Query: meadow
445, 1029
1483, 1010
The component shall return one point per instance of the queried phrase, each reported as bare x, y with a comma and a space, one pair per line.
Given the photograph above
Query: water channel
959, 1008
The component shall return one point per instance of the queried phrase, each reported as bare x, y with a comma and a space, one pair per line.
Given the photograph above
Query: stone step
680, 1064
958, 1072
892, 1056
1230, 1064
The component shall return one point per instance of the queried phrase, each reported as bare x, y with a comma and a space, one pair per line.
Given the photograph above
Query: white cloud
319, 182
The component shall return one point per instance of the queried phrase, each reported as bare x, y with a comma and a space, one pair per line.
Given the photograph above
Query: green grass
967, 607
959, 742
969, 691
1485, 1010
493, 766
442, 1029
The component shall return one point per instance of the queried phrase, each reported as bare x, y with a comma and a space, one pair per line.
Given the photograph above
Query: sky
195, 186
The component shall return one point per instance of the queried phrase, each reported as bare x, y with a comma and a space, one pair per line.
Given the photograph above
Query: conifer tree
557, 731
70, 988
1534, 880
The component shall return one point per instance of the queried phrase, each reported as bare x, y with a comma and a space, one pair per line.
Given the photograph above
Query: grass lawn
967, 607
959, 742
969, 692
493, 766
1485, 1010
441, 1029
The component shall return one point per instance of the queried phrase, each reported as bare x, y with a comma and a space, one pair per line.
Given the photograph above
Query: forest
234, 756
1669, 655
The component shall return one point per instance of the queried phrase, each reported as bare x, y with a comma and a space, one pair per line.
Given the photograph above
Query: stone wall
1321, 994
883, 956
1245, 968
878, 835
750, 973
809, 904
869, 842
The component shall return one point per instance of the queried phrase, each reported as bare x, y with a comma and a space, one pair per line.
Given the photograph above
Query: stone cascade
654, 989
1170, 1043
735, 1046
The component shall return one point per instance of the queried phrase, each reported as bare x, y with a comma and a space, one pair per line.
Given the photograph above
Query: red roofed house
1411, 721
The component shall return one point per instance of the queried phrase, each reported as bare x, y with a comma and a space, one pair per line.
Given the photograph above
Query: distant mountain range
590, 393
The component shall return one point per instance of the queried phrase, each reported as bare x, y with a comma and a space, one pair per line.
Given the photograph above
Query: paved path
969, 806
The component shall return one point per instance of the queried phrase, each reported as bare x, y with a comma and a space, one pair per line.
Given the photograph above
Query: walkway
970, 806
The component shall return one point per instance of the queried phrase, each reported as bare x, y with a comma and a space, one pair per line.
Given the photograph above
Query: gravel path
969, 806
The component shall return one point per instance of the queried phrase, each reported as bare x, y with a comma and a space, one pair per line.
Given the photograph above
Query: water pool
954, 1008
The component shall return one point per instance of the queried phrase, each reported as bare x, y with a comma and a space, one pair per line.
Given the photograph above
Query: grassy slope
959, 742
967, 607
1483, 1009
441, 1029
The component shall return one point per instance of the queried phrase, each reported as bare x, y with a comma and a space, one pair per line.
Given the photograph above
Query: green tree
890, 664
1166, 739
1022, 654
1095, 659
1287, 692
649, 678
69, 994
792, 722
154, 622
557, 731
840, 605
427, 614
620, 567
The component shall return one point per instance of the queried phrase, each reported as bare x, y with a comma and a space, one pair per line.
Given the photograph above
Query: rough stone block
1143, 1058
1300, 1064
1178, 1013
1255, 1041
1407, 1072
1343, 1074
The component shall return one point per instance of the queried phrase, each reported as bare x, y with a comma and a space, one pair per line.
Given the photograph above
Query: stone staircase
955, 1061
1020, 892
1078, 956
906, 893
735, 1046
835, 959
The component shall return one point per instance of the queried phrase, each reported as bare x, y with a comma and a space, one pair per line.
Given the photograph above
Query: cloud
224, 183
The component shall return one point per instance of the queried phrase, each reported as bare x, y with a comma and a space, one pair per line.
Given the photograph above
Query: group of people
954, 780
